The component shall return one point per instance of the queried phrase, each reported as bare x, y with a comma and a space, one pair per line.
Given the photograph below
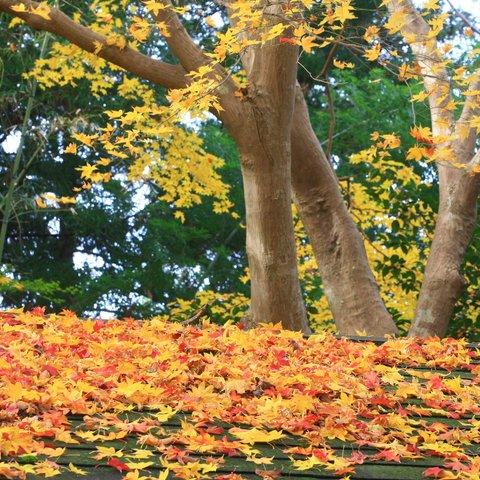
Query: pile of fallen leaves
235, 390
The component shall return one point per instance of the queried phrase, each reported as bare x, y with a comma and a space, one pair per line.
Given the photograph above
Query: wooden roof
134, 442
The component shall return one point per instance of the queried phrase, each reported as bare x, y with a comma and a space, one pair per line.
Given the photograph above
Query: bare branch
464, 18
158, 72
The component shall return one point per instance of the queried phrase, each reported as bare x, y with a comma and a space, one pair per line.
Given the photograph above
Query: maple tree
265, 112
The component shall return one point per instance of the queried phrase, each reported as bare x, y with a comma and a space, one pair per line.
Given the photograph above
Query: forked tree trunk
349, 285
275, 287
454, 228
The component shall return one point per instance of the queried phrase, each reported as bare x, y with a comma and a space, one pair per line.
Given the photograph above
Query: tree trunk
349, 285
263, 136
454, 228
275, 288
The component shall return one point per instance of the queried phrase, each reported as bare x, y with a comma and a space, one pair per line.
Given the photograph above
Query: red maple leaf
433, 472
388, 456
371, 380
118, 464
287, 40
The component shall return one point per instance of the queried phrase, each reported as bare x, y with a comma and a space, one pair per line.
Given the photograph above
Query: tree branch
190, 55
464, 18
435, 75
156, 71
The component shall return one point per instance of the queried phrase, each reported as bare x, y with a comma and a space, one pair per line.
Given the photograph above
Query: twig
199, 314
464, 18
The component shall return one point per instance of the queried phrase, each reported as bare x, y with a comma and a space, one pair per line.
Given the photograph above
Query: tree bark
459, 189
444, 282
264, 141
275, 289
349, 285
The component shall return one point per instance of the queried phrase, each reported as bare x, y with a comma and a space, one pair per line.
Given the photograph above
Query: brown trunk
454, 228
265, 152
262, 134
351, 290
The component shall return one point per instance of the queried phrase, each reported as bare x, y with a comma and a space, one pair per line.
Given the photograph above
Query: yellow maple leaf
307, 43
420, 97
139, 465
396, 21
83, 138
71, 148
86, 171
373, 53
141, 454
76, 470
103, 452
344, 11
416, 153
371, 33
20, 8
308, 463
256, 435
42, 10
341, 65
163, 475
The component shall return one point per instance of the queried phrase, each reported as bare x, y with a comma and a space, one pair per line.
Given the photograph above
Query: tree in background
336, 242
106, 252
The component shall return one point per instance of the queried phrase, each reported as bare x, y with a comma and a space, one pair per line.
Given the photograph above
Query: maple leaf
433, 472
371, 380
344, 11
256, 435
138, 465
341, 65
76, 470
103, 452
307, 43
19, 8
388, 455
118, 465
71, 148
308, 463
268, 474
373, 53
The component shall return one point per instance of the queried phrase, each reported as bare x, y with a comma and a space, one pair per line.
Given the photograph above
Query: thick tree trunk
264, 144
351, 290
262, 134
454, 228
275, 287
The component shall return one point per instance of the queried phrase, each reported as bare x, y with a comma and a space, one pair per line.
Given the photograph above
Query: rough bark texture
276, 295
262, 133
348, 281
265, 149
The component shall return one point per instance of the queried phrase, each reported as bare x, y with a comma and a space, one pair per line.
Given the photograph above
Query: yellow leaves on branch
42, 10
373, 53
341, 64
396, 21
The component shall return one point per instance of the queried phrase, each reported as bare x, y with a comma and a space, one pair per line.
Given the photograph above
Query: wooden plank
385, 471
